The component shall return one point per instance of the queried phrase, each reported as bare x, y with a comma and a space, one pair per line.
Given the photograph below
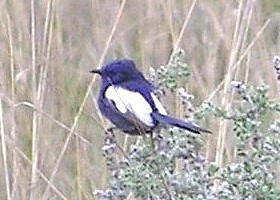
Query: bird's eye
109, 79
109, 74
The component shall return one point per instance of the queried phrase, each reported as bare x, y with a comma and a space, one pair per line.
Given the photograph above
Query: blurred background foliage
51, 135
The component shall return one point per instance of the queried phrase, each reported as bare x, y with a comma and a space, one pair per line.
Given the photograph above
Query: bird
129, 101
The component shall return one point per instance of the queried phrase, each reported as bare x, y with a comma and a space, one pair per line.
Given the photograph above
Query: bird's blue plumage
127, 99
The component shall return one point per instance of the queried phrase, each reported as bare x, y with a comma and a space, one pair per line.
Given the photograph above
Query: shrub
172, 165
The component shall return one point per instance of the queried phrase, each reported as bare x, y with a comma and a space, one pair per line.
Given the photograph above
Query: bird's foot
110, 137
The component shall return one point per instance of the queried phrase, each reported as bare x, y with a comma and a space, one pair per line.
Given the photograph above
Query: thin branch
182, 31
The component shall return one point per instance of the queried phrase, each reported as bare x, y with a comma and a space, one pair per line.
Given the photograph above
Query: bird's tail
165, 119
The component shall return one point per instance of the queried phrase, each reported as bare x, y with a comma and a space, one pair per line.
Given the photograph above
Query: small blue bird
128, 100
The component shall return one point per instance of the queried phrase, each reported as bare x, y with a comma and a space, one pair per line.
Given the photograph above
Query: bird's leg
110, 138
152, 140
110, 150
110, 130
156, 140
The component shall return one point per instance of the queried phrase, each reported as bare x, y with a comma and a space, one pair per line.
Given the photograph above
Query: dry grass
51, 131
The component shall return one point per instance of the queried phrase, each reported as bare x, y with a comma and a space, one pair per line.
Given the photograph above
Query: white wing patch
112, 94
134, 102
158, 105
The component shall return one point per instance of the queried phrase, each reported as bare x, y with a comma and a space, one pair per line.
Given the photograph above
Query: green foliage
168, 76
171, 165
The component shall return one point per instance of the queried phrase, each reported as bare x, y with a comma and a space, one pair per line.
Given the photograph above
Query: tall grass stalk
85, 98
35, 149
184, 26
4, 153
13, 123
234, 63
22, 155
46, 49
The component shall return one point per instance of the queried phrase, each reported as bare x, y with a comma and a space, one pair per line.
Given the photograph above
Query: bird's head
118, 71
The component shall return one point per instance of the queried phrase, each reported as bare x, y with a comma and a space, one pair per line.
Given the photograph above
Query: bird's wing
130, 101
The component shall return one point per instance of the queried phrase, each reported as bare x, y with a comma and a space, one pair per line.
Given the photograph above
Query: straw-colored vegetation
51, 131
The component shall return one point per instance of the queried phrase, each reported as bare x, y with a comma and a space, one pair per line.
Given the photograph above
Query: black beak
95, 71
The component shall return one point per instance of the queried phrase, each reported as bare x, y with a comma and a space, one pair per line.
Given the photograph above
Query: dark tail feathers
165, 119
